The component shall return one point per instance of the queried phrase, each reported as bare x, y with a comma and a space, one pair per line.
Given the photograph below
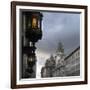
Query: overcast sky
57, 27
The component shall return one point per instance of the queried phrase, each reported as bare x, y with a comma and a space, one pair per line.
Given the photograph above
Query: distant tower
31, 33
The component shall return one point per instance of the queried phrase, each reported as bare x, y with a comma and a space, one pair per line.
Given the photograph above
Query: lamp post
32, 33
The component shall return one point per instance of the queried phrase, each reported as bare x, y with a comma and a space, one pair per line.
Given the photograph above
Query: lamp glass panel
34, 23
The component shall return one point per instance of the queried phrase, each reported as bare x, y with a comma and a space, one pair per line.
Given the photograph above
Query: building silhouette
63, 66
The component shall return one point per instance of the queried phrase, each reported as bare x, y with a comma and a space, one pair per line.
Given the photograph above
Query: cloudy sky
57, 27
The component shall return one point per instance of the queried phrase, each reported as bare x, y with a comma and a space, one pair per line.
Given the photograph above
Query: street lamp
33, 32
33, 26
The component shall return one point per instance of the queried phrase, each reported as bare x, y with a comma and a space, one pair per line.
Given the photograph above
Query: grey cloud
64, 27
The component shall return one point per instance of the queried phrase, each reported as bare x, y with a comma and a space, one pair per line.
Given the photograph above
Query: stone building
43, 72
54, 66
72, 63
47, 70
60, 66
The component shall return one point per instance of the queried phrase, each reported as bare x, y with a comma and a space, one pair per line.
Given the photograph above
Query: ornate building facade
62, 66
47, 70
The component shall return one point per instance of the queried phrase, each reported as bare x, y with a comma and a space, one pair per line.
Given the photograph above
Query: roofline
72, 53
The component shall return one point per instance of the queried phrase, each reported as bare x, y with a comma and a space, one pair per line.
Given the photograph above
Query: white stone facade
72, 63
64, 66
